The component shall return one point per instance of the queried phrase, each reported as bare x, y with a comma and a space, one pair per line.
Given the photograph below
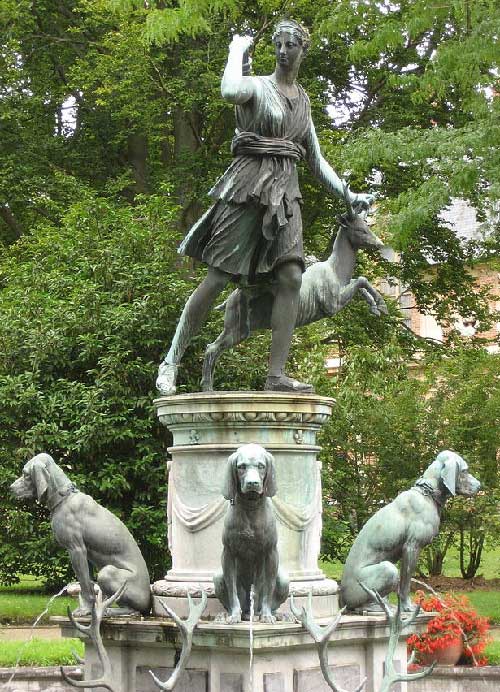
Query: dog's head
250, 471
454, 474
38, 474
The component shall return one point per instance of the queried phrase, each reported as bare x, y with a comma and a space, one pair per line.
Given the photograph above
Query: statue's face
288, 50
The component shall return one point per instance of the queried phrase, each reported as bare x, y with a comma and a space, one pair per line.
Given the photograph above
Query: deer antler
397, 625
186, 628
321, 636
347, 198
93, 632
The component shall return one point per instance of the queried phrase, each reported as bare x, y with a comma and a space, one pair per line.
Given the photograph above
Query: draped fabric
194, 519
255, 223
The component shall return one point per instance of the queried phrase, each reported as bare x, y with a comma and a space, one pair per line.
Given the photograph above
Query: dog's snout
468, 485
252, 481
20, 489
475, 484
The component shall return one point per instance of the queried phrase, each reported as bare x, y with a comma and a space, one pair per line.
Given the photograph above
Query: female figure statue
254, 228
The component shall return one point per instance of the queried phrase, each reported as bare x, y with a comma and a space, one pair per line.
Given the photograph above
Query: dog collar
63, 495
426, 489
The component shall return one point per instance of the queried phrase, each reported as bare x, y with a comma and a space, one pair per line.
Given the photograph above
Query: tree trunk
186, 142
137, 154
436, 553
14, 227
475, 550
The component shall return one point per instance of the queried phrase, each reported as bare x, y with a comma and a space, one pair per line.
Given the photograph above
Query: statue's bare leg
283, 319
190, 322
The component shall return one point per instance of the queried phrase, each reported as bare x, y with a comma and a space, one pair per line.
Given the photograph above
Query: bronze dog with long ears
400, 530
250, 554
90, 533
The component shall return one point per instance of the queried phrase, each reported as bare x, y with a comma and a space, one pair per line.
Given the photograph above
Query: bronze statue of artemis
253, 231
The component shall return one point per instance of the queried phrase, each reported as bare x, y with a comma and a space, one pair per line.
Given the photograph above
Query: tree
387, 427
77, 374
375, 444
463, 406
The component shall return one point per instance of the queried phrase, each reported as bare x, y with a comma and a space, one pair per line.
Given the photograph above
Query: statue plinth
207, 428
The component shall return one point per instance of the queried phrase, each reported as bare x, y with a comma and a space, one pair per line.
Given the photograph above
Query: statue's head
291, 41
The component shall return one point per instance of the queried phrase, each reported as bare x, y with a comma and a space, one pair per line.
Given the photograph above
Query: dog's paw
233, 619
81, 612
286, 617
268, 619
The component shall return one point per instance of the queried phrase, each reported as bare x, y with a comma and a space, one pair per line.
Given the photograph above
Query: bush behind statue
389, 423
86, 310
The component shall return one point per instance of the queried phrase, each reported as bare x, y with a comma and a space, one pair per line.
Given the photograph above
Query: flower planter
456, 632
446, 656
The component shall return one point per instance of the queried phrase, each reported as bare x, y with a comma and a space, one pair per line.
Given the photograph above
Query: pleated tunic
255, 223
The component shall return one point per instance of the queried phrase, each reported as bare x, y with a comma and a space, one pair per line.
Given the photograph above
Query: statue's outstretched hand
240, 43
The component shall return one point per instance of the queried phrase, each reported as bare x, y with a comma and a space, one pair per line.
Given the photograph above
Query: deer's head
355, 226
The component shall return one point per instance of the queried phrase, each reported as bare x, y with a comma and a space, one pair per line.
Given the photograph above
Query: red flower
455, 619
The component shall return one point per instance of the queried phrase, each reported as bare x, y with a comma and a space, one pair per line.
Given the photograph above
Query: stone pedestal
207, 428
285, 658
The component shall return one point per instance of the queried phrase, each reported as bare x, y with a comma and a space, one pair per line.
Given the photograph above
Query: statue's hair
297, 30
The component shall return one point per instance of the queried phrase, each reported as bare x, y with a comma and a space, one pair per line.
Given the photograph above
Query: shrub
455, 619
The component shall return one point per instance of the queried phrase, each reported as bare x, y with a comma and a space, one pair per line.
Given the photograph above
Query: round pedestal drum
207, 428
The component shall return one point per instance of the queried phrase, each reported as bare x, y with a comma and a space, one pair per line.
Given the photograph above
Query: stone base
285, 658
174, 594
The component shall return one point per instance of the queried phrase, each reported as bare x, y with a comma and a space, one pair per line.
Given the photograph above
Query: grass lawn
486, 603
40, 652
489, 569
21, 603
493, 653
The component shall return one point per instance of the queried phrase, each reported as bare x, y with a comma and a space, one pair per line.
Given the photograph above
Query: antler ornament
321, 636
186, 628
93, 632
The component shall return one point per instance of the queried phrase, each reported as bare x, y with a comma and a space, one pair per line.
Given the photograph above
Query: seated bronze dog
90, 533
400, 530
250, 554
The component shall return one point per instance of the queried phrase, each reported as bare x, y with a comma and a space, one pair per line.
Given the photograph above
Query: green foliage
87, 309
388, 426
464, 411
374, 445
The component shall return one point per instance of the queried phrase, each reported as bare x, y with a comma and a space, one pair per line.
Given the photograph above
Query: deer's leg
379, 301
348, 293
370, 294
224, 341
370, 300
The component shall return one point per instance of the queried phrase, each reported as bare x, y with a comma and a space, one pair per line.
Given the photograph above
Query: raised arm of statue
324, 172
236, 87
